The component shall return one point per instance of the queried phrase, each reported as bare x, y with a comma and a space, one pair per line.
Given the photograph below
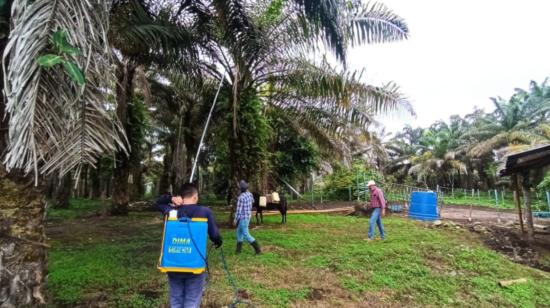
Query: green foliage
251, 145
138, 122
338, 183
415, 266
49, 60
74, 72
63, 49
61, 43
297, 158
460, 153
4, 18
295, 155
273, 13
77, 208
544, 186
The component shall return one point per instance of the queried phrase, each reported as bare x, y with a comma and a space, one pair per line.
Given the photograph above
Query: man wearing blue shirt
242, 219
186, 289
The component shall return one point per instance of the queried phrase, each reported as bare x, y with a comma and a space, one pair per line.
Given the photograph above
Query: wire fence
500, 198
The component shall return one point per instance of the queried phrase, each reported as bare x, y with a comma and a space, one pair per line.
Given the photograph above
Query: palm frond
329, 145
325, 84
325, 18
501, 140
240, 33
54, 123
375, 23
151, 37
544, 131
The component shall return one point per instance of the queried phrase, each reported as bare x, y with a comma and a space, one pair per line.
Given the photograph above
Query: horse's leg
257, 220
262, 216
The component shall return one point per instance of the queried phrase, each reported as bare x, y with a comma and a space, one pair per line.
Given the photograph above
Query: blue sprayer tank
184, 243
423, 206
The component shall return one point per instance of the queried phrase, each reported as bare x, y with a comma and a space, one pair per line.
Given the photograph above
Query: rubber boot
239, 247
256, 247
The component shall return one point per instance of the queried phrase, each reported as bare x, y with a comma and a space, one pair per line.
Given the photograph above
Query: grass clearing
77, 208
313, 260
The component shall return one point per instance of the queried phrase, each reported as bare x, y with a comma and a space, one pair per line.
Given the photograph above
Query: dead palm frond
503, 139
56, 124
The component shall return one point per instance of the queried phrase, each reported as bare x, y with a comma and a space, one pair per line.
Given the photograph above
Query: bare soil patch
509, 241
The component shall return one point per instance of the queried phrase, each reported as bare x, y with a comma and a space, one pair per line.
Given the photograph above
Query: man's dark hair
188, 190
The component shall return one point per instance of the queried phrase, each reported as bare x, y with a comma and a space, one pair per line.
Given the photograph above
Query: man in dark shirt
186, 288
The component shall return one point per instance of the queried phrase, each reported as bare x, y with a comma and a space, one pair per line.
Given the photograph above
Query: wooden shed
520, 164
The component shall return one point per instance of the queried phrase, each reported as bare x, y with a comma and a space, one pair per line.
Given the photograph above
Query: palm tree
60, 117
59, 112
438, 163
513, 121
263, 52
56, 123
144, 35
402, 149
182, 106
431, 170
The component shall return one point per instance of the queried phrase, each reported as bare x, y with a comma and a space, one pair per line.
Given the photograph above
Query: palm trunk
22, 242
236, 173
95, 182
121, 197
85, 187
62, 193
135, 191
51, 185
235, 169
136, 187
134, 135
179, 159
164, 181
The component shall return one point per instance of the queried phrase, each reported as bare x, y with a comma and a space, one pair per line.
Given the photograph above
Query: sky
458, 55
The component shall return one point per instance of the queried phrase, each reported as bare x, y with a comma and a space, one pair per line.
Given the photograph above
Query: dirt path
451, 212
462, 213
459, 213
348, 209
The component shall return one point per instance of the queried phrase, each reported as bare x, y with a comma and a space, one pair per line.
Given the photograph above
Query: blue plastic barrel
184, 245
423, 206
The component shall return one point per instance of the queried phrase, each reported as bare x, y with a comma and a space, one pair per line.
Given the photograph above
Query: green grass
537, 204
77, 208
113, 261
481, 201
